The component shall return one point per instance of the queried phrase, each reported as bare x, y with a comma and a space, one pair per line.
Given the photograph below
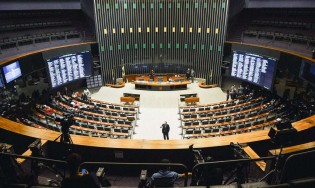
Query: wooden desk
165, 77
253, 155
163, 86
255, 136
130, 100
294, 149
191, 100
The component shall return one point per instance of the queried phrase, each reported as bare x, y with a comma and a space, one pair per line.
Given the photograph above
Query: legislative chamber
232, 80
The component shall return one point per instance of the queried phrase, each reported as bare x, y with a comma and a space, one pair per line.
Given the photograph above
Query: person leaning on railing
77, 178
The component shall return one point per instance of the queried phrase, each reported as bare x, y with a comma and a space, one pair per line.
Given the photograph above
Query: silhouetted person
164, 177
227, 95
77, 179
165, 130
152, 74
188, 74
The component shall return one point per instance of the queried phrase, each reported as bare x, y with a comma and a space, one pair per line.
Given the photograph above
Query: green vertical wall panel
113, 14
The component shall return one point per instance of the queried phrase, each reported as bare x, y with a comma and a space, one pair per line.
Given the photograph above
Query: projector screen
12, 71
254, 68
69, 67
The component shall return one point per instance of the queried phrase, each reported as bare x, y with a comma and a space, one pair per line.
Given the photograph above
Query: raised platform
161, 86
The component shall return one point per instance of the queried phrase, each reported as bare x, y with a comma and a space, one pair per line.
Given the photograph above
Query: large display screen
253, 68
69, 67
308, 72
12, 71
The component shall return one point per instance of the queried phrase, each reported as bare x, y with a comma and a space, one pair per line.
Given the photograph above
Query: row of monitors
254, 68
61, 69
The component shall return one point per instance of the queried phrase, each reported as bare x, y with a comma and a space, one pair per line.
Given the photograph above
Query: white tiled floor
159, 106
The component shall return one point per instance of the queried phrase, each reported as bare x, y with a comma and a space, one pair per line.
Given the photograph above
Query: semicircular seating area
92, 118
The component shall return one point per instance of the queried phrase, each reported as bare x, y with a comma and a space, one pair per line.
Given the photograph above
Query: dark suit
165, 130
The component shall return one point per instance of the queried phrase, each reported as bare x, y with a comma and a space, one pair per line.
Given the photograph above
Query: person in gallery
192, 75
188, 74
152, 74
165, 130
77, 178
227, 95
164, 177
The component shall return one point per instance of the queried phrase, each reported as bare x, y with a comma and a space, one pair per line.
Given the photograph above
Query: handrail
215, 163
140, 164
37, 159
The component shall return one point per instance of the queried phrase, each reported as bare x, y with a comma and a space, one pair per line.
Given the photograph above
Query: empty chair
204, 122
125, 131
197, 131
187, 123
201, 109
123, 115
232, 110
84, 125
220, 120
94, 134
228, 119
196, 123
186, 116
209, 114
185, 110
100, 128
91, 126
207, 108
104, 120
114, 114
117, 130
120, 122
242, 116
217, 113
125, 109
224, 112
111, 121
111, 107
193, 116
215, 132
208, 130
232, 128
117, 107
203, 115
215, 107
107, 129
192, 110
128, 122
96, 119
103, 135
189, 131
212, 121
108, 113
90, 117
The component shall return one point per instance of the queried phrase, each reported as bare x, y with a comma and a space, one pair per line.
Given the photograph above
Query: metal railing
63, 163
98, 164
216, 164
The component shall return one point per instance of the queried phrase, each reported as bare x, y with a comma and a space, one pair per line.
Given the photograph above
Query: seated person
77, 179
164, 177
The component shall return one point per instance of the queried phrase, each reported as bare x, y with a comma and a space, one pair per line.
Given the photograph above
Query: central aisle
158, 106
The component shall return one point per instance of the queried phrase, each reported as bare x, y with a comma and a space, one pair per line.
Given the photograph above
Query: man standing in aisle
165, 130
